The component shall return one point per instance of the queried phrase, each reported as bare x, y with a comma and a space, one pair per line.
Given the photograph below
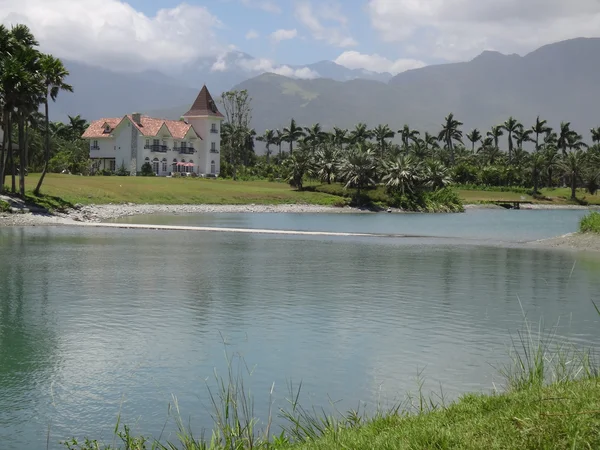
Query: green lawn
560, 416
72, 189
157, 190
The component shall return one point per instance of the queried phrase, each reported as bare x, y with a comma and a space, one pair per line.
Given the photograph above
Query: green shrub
590, 223
4, 206
147, 170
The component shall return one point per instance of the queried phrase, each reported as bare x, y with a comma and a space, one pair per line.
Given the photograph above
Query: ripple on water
97, 322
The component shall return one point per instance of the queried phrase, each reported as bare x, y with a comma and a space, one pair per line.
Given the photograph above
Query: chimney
137, 118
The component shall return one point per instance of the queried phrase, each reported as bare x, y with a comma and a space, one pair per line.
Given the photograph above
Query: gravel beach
99, 213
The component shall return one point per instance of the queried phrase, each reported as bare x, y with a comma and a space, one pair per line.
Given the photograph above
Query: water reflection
97, 322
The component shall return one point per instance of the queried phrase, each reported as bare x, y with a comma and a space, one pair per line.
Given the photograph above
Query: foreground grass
590, 223
557, 416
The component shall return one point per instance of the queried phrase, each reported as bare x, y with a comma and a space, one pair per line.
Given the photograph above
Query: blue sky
379, 35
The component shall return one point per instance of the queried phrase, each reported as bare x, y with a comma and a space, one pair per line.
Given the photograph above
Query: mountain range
558, 81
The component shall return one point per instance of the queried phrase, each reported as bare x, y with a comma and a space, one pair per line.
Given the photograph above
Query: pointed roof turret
204, 105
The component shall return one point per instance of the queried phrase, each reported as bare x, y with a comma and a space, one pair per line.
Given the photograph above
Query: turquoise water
478, 224
97, 322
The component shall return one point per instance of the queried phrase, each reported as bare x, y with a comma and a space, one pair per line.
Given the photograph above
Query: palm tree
564, 135
408, 135
522, 135
77, 126
54, 74
292, 134
540, 127
450, 132
327, 164
298, 165
511, 126
360, 134
537, 162
401, 174
551, 160
430, 141
575, 141
268, 137
436, 174
314, 136
495, 133
358, 169
595, 135
340, 137
381, 133
573, 166
474, 136
279, 141
420, 151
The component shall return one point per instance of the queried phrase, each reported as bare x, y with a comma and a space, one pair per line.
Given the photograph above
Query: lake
100, 322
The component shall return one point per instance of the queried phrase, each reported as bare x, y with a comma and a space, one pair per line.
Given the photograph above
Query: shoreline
97, 215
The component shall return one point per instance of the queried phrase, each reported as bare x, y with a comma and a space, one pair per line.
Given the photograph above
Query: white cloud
376, 63
113, 34
461, 29
312, 18
265, 5
283, 35
263, 65
252, 34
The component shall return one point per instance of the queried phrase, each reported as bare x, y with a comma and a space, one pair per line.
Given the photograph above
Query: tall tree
595, 135
269, 138
511, 126
408, 135
573, 166
474, 137
382, 133
54, 74
292, 134
450, 133
360, 134
565, 133
314, 137
540, 127
238, 114
522, 135
495, 133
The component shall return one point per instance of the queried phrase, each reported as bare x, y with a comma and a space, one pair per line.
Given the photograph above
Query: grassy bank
590, 223
61, 191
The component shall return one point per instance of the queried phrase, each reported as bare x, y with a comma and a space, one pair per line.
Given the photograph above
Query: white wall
107, 148
203, 126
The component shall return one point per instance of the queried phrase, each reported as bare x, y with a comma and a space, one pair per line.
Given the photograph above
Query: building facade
189, 145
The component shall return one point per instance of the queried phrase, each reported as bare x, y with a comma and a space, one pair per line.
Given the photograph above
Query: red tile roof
96, 128
148, 126
204, 105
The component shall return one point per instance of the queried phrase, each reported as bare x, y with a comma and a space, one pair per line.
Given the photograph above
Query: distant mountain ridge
557, 81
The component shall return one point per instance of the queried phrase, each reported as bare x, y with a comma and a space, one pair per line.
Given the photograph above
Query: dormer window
107, 128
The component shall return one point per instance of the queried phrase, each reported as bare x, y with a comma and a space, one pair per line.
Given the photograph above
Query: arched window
213, 167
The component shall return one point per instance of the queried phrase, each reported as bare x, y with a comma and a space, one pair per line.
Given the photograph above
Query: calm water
97, 322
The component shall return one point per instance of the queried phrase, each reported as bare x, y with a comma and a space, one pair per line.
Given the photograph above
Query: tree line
362, 157
28, 80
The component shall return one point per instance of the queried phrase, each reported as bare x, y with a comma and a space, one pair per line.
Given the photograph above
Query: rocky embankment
23, 216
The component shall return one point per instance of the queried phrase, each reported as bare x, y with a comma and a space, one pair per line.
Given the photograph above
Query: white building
189, 145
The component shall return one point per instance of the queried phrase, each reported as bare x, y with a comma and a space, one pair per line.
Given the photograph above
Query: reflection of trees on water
28, 337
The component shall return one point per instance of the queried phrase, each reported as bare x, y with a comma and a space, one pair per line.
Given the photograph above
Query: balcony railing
95, 147
158, 148
214, 150
186, 150
214, 130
